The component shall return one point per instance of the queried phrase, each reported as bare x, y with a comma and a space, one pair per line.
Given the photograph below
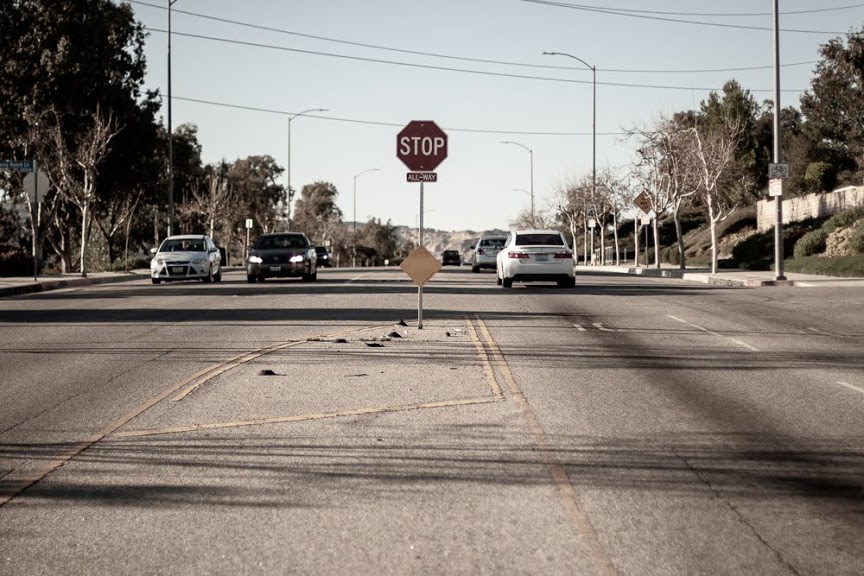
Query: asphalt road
631, 425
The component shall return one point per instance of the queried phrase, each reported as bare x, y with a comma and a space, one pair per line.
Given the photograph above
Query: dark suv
323, 256
451, 258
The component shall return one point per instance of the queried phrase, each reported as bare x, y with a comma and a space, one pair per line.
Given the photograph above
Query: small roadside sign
775, 187
643, 202
20, 165
420, 265
36, 185
592, 223
422, 176
646, 219
249, 223
778, 171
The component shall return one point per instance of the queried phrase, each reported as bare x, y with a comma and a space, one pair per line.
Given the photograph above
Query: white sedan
535, 255
188, 257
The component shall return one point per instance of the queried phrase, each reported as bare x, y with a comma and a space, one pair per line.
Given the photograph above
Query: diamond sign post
421, 146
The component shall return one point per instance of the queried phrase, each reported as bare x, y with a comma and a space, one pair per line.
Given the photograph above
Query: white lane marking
599, 326
851, 387
744, 344
358, 277
579, 327
817, 331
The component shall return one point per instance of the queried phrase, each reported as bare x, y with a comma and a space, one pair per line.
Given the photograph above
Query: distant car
535, 255
282, 255
323, 257
485, 250
186, 257
451, 258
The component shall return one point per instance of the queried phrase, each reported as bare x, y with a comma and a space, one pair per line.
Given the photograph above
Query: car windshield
539, 239
279, 242
182, 246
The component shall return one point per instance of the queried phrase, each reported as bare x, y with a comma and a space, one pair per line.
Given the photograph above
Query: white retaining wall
810, 206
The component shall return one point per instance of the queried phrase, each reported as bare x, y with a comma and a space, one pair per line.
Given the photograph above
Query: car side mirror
153, 250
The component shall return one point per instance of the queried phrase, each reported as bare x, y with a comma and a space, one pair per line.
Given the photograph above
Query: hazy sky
475, 67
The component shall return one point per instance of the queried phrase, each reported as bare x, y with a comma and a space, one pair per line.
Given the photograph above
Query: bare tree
714, 158
665, 171
77, 166
572, 209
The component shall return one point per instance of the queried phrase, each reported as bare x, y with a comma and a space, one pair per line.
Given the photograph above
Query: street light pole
354, 240
593, 130
531, 153
170, 134
778, 226
288, 167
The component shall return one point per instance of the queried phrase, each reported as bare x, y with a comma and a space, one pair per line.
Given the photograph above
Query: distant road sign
20, 165
421, 145
778, 171
643, 202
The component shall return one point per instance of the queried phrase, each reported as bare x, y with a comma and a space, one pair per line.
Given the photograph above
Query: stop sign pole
422, 146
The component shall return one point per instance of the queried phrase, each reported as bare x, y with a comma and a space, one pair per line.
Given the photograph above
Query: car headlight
255, 259
199, 260
297, 258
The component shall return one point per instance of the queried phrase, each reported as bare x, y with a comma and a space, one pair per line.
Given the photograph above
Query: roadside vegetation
74, 101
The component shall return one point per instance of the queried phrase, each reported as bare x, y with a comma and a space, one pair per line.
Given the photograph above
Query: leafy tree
378, 242
317, 214
69, 58
834, 107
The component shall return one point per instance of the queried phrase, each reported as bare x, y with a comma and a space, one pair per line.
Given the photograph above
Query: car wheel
498, 277
209, 277
567, 283
250, 279
507, 282
475, 269
218, 276
155, 280
310, 277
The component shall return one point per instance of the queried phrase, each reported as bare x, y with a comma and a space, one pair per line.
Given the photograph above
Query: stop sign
421, 145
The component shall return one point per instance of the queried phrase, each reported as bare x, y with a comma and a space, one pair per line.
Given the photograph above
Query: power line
674, 20
445, 68
453, 57
388, 124
719, 14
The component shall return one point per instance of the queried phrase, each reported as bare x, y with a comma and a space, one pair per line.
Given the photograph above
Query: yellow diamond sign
420, 266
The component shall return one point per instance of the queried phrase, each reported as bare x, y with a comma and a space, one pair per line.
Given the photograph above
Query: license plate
541, 257
177, 269
275, 268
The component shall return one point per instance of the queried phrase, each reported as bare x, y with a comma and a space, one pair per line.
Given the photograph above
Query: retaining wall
810, 206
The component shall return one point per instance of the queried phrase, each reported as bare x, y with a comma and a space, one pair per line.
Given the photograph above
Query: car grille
177, 269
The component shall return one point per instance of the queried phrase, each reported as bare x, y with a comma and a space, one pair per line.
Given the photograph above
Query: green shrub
843, 266
811, 243
14, 261
856, 241
844, 219
820, 176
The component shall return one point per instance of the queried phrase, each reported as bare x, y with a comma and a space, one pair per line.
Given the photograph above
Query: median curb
707, 278
45, 285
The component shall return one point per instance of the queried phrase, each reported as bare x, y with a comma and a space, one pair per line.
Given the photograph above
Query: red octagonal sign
421, 145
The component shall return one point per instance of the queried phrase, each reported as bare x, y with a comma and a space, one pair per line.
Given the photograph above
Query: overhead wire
454, 57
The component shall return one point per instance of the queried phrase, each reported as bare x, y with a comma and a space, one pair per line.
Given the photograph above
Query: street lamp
531, 152
288, 168
593, 129
170, 134
354, 241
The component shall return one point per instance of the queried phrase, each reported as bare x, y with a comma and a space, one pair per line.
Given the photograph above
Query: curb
708, 278
44, 286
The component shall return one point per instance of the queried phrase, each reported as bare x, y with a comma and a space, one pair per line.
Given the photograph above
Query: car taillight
481, 251
564, 255
517, 255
